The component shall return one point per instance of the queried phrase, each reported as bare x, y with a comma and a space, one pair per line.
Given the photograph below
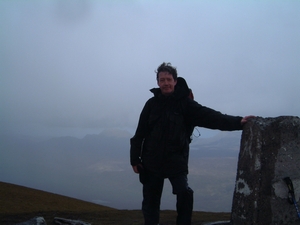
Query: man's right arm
136, 141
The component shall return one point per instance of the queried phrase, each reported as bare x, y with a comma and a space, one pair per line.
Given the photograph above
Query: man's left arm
209, 118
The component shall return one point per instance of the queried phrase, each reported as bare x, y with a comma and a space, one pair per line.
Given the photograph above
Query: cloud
89, 65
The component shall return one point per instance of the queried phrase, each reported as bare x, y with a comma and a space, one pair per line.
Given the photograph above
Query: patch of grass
18, 204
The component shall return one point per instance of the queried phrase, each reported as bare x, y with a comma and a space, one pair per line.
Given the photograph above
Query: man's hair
166, 67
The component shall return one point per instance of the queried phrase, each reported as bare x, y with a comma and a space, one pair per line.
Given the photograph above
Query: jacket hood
181, 89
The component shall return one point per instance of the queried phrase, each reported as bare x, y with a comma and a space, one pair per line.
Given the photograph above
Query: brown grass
18, 204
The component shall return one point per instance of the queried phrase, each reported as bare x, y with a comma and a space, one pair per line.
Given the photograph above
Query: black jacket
161, 141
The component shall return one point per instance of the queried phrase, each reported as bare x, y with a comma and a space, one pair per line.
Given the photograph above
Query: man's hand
135, 168
246, 118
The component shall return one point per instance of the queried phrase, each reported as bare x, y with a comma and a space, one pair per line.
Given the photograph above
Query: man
160, 146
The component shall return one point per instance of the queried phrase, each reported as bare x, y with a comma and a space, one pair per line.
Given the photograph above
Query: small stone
34, 221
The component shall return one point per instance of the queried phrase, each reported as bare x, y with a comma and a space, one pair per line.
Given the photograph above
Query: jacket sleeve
202, 116
136, 142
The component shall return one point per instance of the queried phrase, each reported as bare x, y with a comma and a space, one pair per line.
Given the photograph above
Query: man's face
166, 83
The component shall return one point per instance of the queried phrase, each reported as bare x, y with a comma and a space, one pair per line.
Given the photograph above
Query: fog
77, 67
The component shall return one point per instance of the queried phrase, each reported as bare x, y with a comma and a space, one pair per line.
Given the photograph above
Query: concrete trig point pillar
270, 151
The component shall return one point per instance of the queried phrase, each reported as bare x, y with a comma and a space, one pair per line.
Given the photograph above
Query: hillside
18, 204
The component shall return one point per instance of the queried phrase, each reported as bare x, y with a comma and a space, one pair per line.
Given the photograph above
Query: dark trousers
152, 190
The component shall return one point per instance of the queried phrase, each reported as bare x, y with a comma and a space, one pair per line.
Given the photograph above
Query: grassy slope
18, 204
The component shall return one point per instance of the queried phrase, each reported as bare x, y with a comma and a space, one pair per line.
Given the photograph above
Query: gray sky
76, 67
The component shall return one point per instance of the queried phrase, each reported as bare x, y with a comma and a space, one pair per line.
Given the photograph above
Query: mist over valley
96, 168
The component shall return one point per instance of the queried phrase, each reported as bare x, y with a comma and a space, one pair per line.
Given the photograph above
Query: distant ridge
116, 133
